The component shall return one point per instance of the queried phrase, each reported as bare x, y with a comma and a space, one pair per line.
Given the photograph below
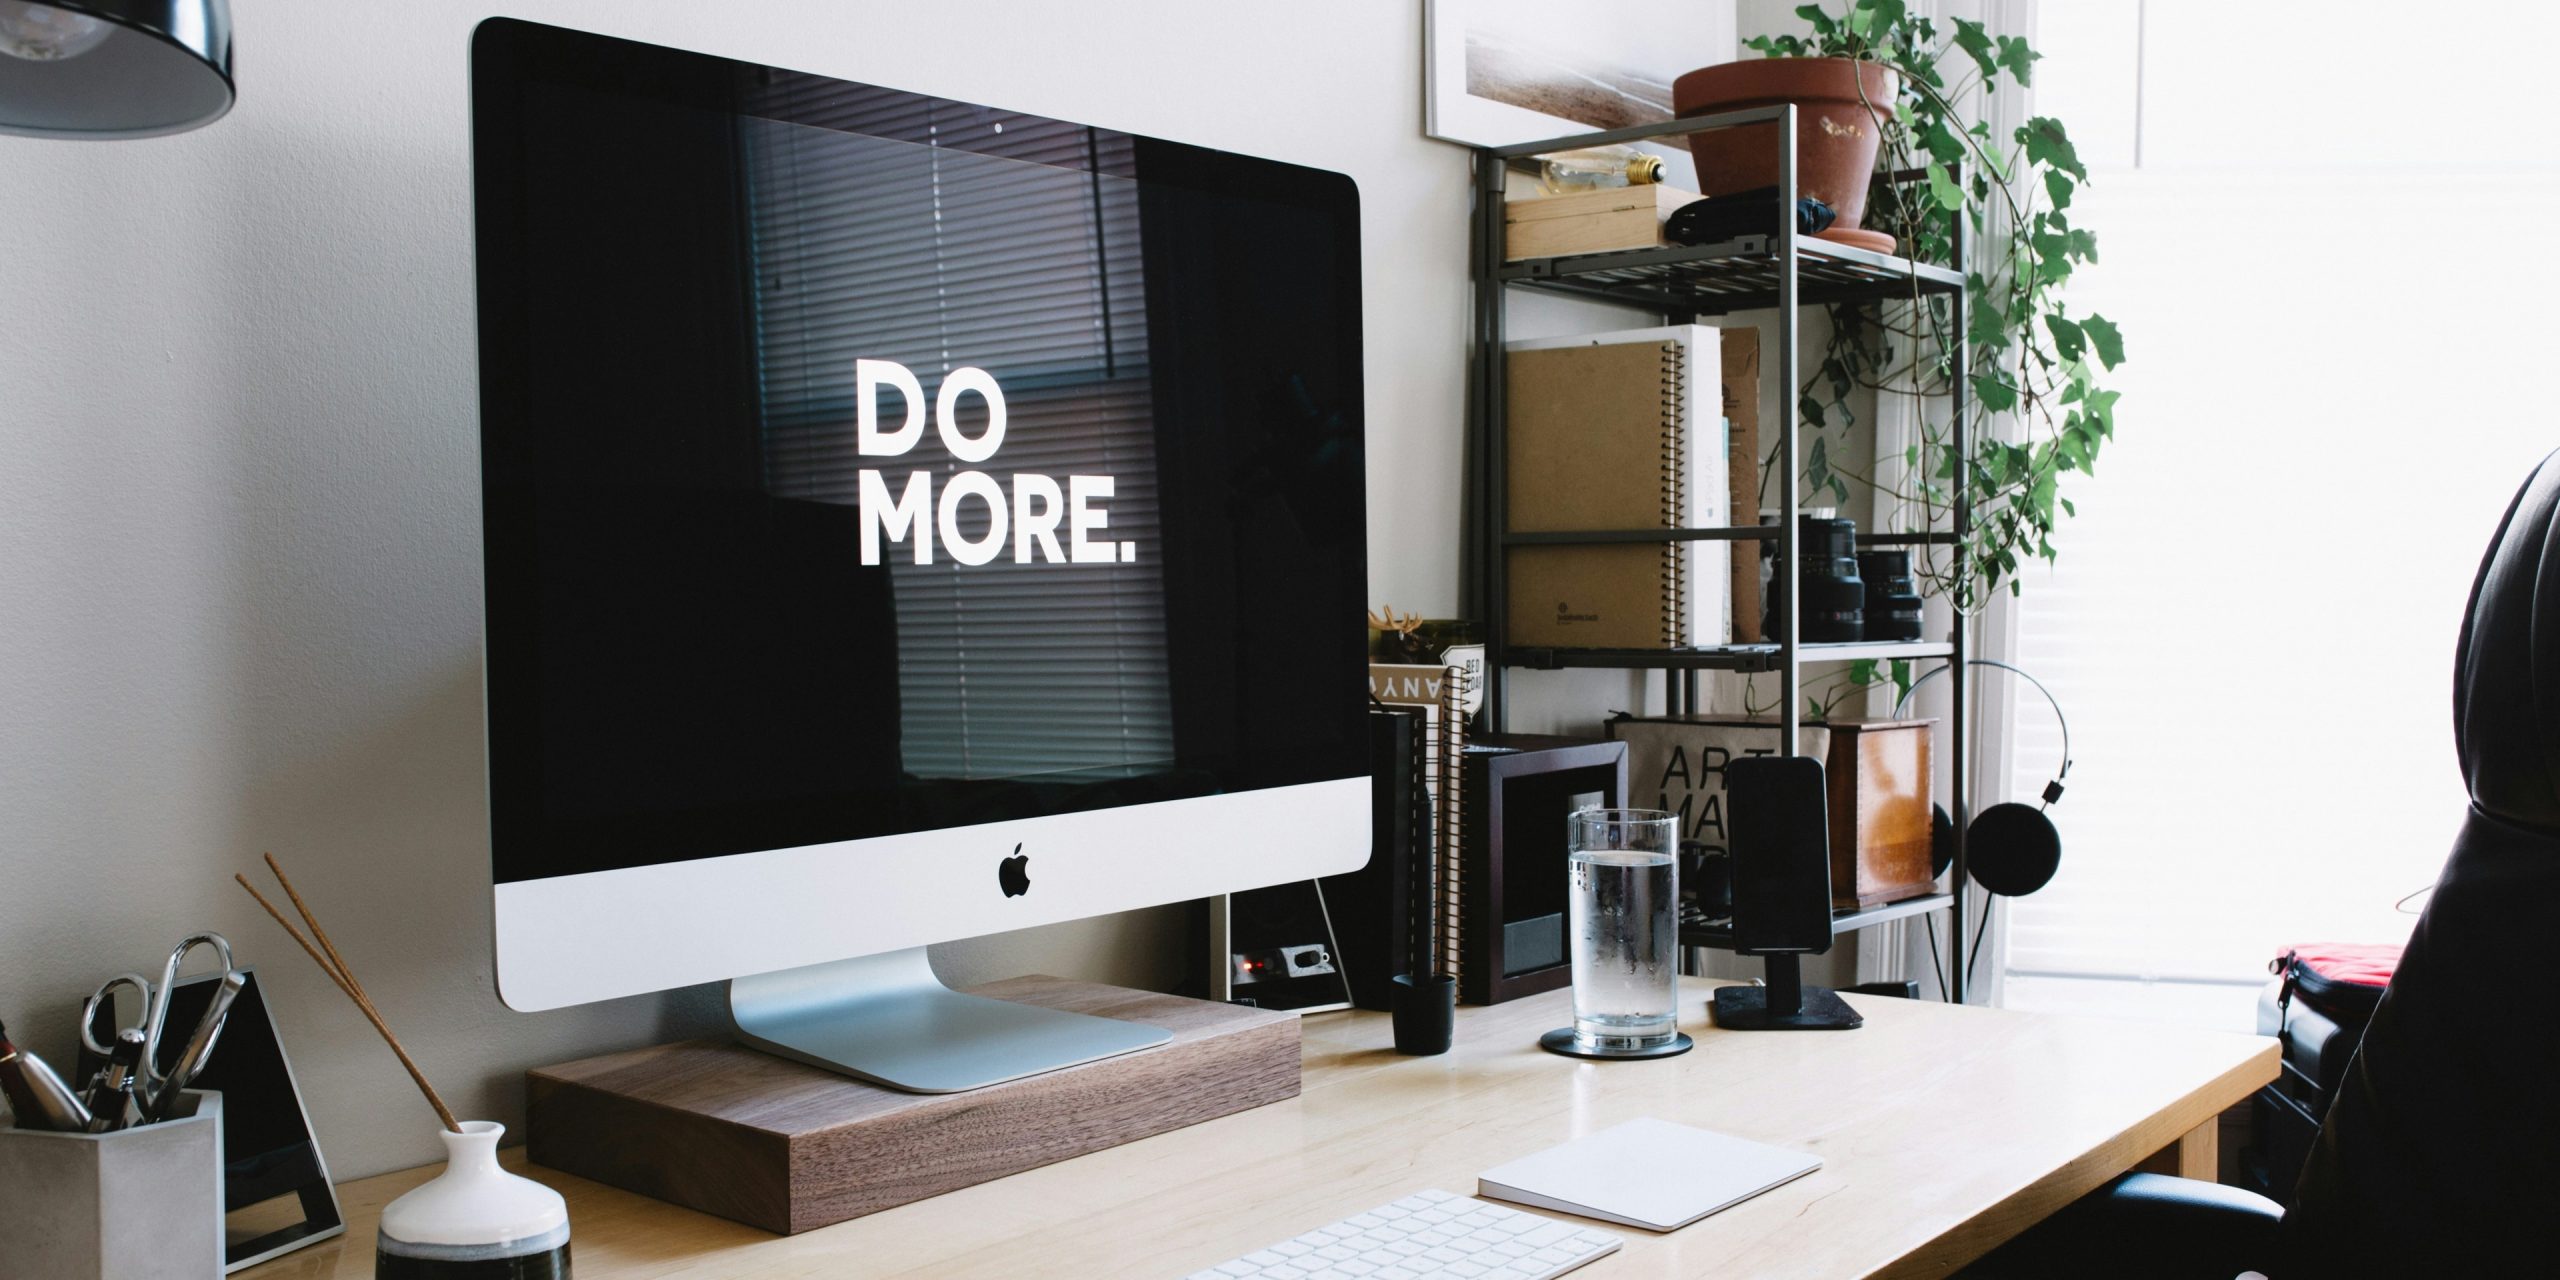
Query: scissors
155, 1006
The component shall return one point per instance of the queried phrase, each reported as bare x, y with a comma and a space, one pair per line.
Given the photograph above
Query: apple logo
1014, 874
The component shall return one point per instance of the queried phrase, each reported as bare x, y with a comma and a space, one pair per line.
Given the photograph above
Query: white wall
239, 557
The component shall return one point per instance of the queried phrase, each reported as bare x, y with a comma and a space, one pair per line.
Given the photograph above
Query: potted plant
1842, 104
2031, 366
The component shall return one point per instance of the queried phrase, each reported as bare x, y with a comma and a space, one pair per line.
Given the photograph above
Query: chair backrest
2442, 1152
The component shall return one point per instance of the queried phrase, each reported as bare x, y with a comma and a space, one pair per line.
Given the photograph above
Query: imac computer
905, 520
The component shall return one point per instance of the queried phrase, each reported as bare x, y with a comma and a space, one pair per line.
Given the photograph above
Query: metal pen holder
139, 1204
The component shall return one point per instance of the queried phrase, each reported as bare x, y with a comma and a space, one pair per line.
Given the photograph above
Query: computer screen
881, 490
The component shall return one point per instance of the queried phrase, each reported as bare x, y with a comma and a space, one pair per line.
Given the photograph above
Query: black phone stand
1786, 1004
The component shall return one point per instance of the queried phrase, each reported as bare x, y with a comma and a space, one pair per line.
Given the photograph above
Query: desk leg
2196, 1155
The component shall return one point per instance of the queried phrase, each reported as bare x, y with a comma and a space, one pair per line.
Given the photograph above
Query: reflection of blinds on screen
895, 244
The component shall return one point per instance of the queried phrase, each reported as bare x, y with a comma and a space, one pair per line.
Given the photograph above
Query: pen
111, 1102
200, 1044
37, 1096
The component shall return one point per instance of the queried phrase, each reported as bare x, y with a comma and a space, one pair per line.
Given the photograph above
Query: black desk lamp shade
113, 68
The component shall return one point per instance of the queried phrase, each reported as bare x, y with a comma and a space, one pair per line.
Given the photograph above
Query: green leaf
2102, 411
1995, 395
2068, 341
1989, 324
1971, 38
2058, 187
1949, 196
2104, 338
2069, 453
2047, 144
2018, 58
1814, 16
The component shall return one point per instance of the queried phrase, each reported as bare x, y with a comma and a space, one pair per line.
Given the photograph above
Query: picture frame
1497, 72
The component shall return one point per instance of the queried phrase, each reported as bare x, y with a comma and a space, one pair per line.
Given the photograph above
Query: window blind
940, 236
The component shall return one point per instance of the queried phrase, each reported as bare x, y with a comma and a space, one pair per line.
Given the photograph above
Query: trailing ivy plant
2025, 353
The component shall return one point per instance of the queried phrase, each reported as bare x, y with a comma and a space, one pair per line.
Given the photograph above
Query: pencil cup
1424, 1013
139, 1204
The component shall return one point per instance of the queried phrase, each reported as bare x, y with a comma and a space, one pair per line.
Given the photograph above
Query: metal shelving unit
1720, 935
1783, 271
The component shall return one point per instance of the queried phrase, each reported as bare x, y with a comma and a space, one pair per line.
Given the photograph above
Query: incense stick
335, 966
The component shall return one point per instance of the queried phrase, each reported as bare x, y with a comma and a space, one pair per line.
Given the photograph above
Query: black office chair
2441, 1155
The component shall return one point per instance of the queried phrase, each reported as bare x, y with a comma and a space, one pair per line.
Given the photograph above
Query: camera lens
1835, 598
1893, 595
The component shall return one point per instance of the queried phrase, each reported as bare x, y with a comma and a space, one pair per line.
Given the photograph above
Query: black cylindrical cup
1425, 1013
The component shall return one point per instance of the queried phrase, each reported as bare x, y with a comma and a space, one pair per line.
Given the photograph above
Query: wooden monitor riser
729, 1130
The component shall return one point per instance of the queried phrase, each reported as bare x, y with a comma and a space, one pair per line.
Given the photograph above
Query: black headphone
2011, 849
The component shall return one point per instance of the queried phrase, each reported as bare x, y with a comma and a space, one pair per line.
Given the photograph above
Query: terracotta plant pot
1837, 131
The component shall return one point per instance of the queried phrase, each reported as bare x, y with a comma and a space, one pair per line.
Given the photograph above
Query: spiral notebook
1616, 431
1646, 1173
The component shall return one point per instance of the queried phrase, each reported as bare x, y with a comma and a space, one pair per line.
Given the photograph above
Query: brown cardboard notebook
1593, 440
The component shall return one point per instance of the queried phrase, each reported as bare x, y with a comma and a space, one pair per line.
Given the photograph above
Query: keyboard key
1547, 1233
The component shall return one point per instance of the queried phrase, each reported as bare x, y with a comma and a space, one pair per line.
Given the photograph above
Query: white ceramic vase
474, 1220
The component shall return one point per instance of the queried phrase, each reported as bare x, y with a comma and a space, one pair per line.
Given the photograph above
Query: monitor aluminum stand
887, 1019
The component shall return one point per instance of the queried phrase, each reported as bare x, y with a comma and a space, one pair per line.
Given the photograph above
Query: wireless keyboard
1430, 1233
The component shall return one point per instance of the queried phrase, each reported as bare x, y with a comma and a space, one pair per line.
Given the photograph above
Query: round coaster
1561, 1040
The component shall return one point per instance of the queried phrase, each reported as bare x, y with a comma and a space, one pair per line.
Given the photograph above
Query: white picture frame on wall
1497, 72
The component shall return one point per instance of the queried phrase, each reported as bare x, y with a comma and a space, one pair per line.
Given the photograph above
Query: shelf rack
1720, 936
1784, 271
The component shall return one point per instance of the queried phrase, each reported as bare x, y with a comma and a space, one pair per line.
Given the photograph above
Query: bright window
2328, 267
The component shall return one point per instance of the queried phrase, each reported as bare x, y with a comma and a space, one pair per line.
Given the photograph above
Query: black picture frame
1519, 789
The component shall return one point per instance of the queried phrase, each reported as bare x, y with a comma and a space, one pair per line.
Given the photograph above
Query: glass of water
1623, 916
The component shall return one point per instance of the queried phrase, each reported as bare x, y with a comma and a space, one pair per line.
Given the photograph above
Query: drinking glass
1623, 916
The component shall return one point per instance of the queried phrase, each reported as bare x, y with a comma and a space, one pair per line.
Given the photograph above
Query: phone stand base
1817, 1009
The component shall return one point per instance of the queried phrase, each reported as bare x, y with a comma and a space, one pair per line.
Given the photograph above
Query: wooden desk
1943, 1131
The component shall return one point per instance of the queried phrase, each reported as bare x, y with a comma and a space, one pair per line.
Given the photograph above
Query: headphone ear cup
2012, 849
1942, 841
